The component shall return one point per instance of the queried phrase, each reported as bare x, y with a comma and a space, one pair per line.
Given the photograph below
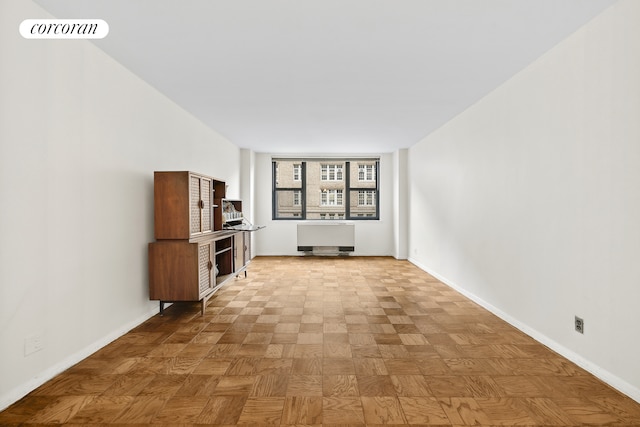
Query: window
331, 172
335, 189
366, 173
288, 195
366, 198
331, 197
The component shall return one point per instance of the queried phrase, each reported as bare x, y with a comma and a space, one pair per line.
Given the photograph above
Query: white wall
401, 204
247, 190
530, 200
279, 237
80, 137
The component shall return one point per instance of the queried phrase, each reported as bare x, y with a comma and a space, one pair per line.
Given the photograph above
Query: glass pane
325, 204
363, 174
288, 204
325, 190
326, 171
335, 189
363, 203
288, 174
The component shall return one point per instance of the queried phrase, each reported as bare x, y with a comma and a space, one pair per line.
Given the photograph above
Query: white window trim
368, 173
368, 198
327, 170
334, 197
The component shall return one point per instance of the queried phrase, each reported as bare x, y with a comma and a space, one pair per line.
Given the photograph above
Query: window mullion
303, 195
347, 189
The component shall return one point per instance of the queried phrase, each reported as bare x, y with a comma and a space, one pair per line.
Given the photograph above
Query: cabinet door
205, 196
174, 270
247, 247
205, 268
199, 204
238, 251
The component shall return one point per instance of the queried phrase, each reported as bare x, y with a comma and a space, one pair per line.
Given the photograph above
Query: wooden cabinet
181, 270
197, 249
242, 250
182, 205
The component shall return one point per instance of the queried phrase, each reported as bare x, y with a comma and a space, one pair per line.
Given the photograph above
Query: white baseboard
604, 375
19, 392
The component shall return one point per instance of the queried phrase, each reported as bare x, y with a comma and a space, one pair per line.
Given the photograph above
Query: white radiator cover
326, 239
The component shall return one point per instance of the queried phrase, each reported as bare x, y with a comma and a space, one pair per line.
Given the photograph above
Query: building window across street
330, 189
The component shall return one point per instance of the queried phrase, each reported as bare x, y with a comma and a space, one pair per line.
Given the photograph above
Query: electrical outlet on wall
579, 324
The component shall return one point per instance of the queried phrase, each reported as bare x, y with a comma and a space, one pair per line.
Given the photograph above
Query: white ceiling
328, 76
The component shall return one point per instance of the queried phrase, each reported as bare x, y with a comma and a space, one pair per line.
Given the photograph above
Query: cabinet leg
161, 308
245, 273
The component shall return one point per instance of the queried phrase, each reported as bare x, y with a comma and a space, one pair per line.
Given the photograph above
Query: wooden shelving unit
195, 251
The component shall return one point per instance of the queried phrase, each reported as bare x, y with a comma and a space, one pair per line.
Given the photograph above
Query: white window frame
366, 172
366, 198
333, 197
331, 172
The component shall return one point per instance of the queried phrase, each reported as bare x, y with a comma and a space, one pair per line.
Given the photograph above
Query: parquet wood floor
326, 341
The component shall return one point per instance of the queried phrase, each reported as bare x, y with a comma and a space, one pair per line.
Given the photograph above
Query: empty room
319, 212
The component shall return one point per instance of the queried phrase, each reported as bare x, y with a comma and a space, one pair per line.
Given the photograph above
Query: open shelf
224, 257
